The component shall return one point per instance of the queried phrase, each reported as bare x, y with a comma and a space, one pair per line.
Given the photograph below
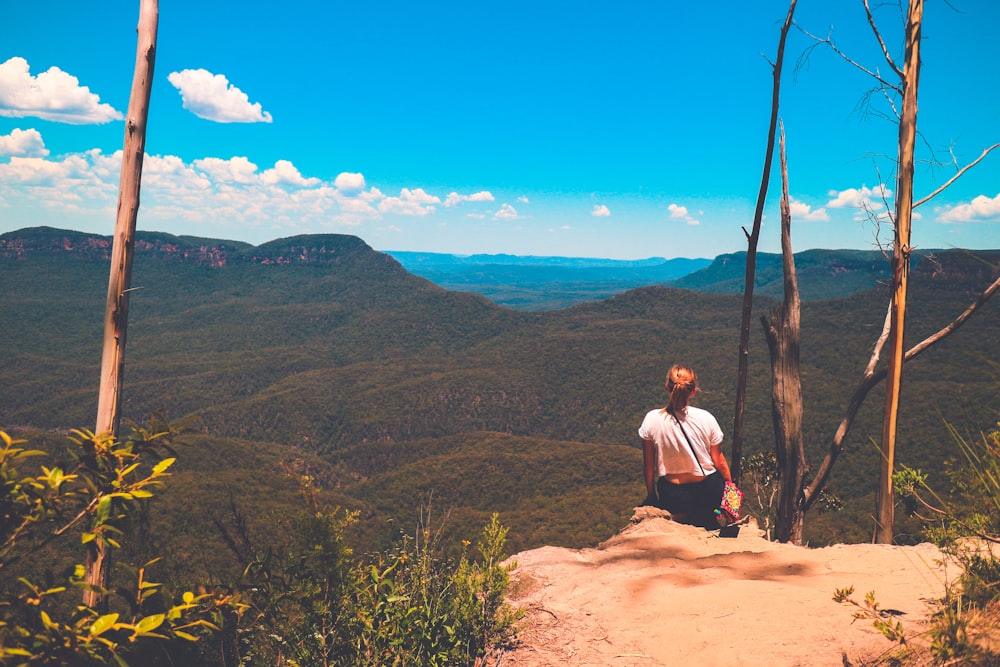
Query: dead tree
98, 563
751, 264
885, 501
782, 332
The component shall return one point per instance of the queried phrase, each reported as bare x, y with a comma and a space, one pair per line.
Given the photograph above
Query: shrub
966, 526
108, 480
314, 603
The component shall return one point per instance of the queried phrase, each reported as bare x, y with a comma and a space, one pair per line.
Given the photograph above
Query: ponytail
681, 383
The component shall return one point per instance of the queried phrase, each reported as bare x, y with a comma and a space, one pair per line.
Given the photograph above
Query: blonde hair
681, 384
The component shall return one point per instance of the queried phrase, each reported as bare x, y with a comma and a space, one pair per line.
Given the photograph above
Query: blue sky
622, 130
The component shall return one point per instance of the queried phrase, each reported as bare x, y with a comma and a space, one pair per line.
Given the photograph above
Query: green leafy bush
303, 598
39, 622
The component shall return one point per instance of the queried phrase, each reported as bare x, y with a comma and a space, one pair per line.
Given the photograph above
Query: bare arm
719, 459
649, 468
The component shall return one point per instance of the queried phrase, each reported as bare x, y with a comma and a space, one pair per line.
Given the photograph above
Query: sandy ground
662, 593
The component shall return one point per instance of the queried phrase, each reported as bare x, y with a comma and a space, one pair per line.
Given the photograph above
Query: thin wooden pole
116, 311
885, 510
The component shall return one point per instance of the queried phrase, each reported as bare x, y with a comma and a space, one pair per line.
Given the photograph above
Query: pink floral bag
732, 502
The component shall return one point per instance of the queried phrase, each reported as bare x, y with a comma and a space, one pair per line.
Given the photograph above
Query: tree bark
751, 263
885, 503
116, 311
783, 335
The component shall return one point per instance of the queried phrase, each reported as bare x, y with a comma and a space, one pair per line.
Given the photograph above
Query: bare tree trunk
782, 333
900, 272
751, 263
116, 313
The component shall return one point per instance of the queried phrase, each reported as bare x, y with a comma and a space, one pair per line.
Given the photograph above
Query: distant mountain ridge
521, 282
543, 283
304, 249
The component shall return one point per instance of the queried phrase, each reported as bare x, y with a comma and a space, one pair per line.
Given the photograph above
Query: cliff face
309, 249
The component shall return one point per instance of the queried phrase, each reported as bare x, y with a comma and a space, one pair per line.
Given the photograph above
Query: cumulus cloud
601, 211
349, 183
678, 212
522, 199
980, 209
210, 196
212, 97
204, 197
868, 202
506, 212
23, 143
862, 197
70, 187
454, 199
233, 170
802, 211
41, 172
52, 95
285, 173
409, 202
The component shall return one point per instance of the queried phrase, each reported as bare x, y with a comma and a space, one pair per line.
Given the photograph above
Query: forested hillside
318, 352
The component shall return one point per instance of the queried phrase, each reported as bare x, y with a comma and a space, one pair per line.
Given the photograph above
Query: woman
682, 457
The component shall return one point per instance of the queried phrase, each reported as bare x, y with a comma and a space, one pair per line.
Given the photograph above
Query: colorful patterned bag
732, 502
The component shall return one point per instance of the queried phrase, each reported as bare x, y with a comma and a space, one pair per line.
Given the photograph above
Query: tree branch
956, 176
869, 381
881, 42
849, 60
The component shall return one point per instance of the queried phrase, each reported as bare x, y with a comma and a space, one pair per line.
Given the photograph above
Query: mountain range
317, 353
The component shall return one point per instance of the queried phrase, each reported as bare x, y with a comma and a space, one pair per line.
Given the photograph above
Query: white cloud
41, 172
349, 183
601, 211
870, 203
418, 196
24, 143
802, 211
409, 202
52, 95
212, 196
233, 170
678, 212
522, 199
285, 173
506, 212
212, 97
454, 199
860, 197
980, 209
65, 189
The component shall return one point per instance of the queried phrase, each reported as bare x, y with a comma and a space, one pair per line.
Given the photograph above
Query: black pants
697, 502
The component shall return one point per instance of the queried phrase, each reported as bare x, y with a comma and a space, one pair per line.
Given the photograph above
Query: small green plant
966, 525
313, 603
760, 483
870, 610
39, 623
418, 608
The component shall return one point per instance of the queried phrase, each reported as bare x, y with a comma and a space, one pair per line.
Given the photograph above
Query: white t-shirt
673, 455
